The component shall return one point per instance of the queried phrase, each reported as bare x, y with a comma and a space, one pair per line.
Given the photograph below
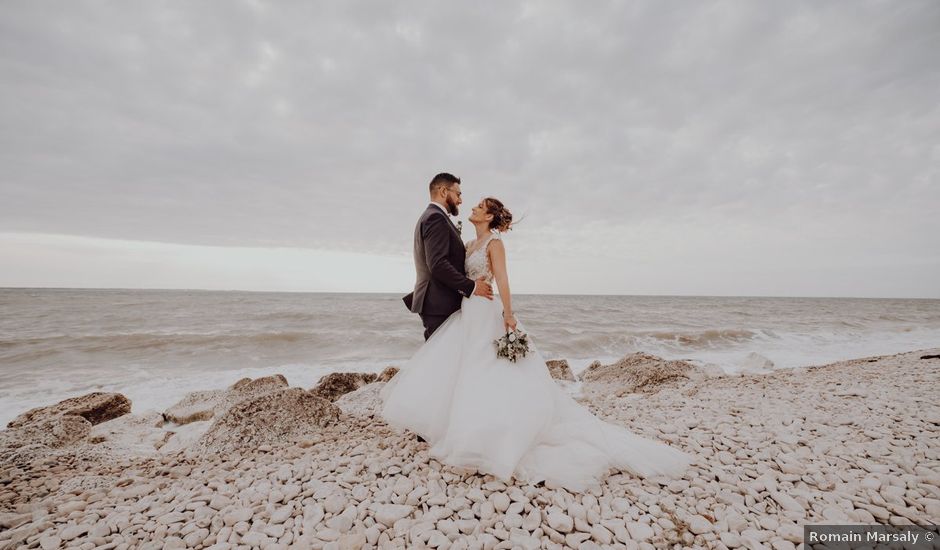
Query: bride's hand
509, 321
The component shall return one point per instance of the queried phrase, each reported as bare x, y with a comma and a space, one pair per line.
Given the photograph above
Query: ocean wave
148, 340
286, 316
703, 338
583, 344
26, 349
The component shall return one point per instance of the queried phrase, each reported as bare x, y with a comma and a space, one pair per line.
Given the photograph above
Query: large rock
94, 407
38, 432
37, 440
560, 370
277, 417
131, 434
197, 406
366, 401
206, 405
54, 432
387, 374
639, 372
248, 386
336, 384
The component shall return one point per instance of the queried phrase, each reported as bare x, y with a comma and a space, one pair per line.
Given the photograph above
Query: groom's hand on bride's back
483, 288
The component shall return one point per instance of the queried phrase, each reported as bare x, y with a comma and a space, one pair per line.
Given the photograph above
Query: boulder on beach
366, 401
259, 385
131, 434
205, 405
387, 374
196, 406
335, 384
54, 432
96, 407
560, 370
39, 439
39, 431
638, 373
276, 417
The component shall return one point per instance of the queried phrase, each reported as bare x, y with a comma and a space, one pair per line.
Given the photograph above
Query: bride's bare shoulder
496, 245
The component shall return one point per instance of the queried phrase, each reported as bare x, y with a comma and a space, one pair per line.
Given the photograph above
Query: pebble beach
266, 465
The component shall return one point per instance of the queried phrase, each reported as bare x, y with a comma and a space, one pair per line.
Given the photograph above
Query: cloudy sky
719, 148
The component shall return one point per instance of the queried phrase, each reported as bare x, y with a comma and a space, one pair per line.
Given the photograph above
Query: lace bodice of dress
477, 264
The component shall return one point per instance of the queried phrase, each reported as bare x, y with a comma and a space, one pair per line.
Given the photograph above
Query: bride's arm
497, 253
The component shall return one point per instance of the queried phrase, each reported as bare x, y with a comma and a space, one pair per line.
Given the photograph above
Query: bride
507, 419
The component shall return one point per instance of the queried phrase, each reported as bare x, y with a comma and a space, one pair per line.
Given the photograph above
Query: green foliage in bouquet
513, 345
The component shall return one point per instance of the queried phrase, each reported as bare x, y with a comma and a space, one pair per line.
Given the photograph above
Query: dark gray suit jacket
439, 263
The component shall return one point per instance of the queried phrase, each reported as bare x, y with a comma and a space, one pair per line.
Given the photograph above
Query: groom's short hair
442, 180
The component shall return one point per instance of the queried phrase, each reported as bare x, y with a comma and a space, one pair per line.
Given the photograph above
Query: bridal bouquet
513, 345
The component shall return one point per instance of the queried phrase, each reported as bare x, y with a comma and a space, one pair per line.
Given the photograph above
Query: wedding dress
508, 419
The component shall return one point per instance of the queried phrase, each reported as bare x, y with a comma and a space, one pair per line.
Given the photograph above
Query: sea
154, 346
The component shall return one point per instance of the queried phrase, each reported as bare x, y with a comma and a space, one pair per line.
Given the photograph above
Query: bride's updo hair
502, 217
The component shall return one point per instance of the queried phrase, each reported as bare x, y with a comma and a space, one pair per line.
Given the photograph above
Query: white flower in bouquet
513, 345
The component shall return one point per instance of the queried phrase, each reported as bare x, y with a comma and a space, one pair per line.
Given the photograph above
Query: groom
439, 259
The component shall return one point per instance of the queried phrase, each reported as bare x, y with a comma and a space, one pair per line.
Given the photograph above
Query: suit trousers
431, 323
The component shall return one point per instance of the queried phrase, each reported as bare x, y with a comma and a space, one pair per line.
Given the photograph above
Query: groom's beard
452, 208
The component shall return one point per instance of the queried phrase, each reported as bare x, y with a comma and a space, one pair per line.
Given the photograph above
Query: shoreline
853, 441
733, 363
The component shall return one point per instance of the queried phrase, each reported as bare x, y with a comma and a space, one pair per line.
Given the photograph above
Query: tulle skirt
508, 419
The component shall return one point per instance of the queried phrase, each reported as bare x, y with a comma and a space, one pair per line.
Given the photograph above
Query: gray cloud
737, 132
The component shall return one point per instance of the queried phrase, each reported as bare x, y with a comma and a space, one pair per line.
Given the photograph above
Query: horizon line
514, 293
